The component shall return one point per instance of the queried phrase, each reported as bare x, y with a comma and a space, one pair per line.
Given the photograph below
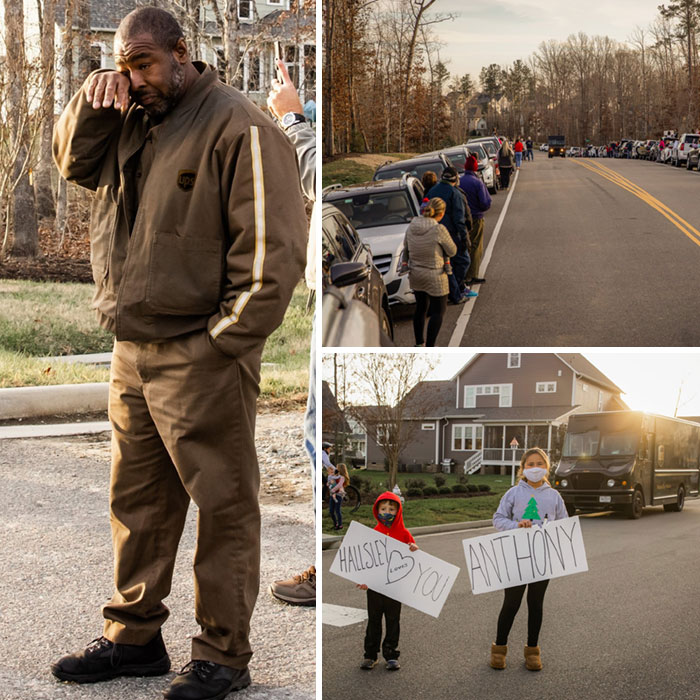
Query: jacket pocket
184, 274
103, 221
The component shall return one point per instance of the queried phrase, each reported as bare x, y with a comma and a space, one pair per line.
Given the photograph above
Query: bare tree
20, 209
387, 381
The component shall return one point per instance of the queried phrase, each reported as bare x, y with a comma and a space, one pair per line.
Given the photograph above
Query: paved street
626, 629
56, 568
592, 252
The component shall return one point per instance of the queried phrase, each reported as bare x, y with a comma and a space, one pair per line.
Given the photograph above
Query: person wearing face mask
530, 503
387, 510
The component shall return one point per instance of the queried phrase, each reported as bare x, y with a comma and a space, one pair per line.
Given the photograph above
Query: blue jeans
530, 154
334, 508
310, 417
460, 264
518, 159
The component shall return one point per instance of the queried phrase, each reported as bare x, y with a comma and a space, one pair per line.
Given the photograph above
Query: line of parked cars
364, 226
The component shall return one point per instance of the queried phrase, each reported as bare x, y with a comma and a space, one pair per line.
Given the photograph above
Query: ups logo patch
185, 179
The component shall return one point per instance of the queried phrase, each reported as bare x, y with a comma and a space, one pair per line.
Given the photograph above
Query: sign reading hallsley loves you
390, 567
525, 555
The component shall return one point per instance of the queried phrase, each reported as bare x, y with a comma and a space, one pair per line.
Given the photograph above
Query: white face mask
535, 474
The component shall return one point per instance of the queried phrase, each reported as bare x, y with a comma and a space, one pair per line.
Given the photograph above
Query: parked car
381, 211
415, 167
491, 144
486, 169
693, 158
654, 151
665, 155
351, 281
681, 148
544, 147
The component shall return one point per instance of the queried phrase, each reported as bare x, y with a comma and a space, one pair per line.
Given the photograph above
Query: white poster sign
525, 555
388, 566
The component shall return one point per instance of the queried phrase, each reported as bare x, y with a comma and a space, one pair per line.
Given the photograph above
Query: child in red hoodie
387, 511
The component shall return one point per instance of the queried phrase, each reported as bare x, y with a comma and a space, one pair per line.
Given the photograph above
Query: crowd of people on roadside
444, 246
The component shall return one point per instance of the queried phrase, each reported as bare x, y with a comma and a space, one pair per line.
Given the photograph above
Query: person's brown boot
498, 655
533, 662
298, 590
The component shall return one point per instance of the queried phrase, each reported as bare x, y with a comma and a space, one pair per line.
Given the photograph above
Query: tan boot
533, 662
498, 655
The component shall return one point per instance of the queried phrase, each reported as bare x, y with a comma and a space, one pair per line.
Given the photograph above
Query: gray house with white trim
498, 405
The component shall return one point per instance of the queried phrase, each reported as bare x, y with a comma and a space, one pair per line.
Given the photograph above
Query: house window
382, 435
513, 360
467, 437
97, 56
546, 387
600, 400
245, 9
584, 386
275, 2
503, 391
428, 426
253, 73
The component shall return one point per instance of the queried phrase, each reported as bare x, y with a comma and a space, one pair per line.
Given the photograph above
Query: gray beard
173, 94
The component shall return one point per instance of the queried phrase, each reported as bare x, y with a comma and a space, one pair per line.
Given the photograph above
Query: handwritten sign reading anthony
390, 567
525, 555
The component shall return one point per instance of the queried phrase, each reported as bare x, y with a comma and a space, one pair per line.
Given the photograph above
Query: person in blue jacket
479, 201
455, 221
532, 501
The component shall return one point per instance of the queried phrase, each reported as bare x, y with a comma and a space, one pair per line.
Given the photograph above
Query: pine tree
531, 512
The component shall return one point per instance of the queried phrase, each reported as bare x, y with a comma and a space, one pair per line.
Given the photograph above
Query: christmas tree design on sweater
531, 512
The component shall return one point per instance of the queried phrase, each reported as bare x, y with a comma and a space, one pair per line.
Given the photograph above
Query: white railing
473, 464
502, 454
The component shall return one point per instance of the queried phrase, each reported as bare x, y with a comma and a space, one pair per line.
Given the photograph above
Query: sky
501, 31
649, 381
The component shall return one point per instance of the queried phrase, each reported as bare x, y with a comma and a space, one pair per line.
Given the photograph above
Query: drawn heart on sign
399, 566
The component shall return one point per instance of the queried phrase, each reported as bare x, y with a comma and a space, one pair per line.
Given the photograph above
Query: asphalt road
581, 260
626, 629
56, 571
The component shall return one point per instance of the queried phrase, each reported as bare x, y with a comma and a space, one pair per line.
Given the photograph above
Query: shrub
463, 479
363, 485
484, 487
430, 491
439, 480
459, 488
472, 488
445, 489
414, 493
415, 483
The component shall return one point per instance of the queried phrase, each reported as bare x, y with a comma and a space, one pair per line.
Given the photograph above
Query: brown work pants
476, 248
183, 424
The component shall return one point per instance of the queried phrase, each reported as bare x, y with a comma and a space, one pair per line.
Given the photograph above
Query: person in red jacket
387, 510
518, 148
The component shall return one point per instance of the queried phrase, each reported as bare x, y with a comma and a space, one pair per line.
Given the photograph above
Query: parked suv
415, 167
486, 170
679, 154
355, 300
381, 211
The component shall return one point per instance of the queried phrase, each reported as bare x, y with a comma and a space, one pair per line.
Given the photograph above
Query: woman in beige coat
427, 249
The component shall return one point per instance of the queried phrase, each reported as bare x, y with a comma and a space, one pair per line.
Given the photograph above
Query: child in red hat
387, 510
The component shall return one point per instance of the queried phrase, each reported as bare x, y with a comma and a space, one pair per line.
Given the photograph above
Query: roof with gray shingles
583, 367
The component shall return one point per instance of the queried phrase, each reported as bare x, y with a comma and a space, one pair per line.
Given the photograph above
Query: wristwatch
292, 118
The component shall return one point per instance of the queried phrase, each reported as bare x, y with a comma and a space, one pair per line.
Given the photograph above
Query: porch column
504, 469
302, 73
246, 71
549, 438
526, 446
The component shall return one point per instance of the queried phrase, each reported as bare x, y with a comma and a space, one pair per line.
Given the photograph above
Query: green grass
349, 172
17, 370
44, 319
49, 318
428, 511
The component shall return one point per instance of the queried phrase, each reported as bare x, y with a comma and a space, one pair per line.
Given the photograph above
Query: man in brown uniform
198, 239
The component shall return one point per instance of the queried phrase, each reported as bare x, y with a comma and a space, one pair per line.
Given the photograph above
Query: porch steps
473, 464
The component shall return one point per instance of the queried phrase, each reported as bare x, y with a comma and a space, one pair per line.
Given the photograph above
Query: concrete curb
34, 401
333, 541
14, 432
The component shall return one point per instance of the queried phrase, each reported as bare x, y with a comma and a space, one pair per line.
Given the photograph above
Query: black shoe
477, 280
102, 660
205, 680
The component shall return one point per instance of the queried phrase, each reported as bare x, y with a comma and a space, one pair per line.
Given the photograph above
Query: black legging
435, 308
511, 605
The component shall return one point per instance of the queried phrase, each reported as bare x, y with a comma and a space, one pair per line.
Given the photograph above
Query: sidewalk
56, 567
